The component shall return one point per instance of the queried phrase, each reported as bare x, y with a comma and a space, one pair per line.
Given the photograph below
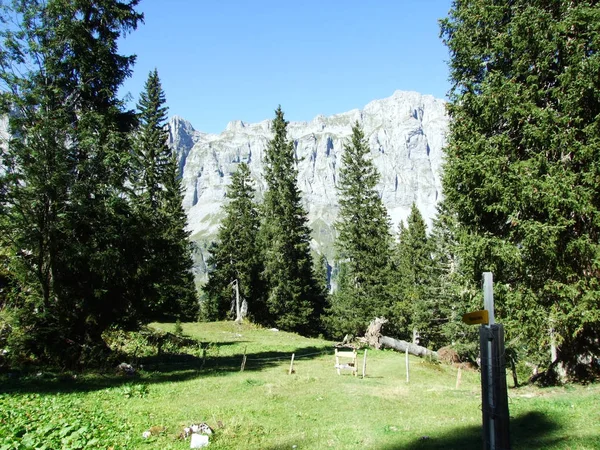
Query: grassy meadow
264, 407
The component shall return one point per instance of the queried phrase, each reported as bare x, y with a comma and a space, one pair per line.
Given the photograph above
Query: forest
93, 233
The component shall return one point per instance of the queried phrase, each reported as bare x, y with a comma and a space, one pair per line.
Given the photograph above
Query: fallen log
403, 346
373, 333
374, 338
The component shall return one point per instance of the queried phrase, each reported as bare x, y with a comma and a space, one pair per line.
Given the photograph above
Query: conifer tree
452, 292
235, 256
166, 270
364, 243
179, 289
323, 274
294, 301
67, 229
522, 167
152, 153
414, 268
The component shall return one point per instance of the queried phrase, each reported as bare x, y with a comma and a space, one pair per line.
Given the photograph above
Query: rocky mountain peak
406, 134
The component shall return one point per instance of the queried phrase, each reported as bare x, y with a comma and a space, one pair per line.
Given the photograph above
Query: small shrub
178, 328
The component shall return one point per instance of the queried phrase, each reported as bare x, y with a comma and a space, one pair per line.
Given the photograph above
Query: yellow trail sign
476, 317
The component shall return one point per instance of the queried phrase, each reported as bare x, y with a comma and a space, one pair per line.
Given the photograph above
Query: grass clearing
266, 408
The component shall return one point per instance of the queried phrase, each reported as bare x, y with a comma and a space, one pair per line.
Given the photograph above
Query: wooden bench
349, 363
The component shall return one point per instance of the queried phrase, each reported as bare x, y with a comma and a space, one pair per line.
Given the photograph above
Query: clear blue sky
222, 60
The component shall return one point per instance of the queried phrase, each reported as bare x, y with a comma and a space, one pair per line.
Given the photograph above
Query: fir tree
414, 270
152, 153
522, 167
364, 243
179, 288
294, 301
323, 274
67, 229
452, 292
166, 271
235, 257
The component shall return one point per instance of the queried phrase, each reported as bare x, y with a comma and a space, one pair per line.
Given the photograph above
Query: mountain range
406, 135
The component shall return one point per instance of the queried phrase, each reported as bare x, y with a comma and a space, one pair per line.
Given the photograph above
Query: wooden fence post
407, 370
458, 377
364, 364
243, 360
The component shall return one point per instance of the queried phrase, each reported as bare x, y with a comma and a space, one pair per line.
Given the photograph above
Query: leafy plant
178, 328
59, 421
134, 390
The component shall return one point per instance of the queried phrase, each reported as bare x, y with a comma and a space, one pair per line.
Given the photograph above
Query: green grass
266, 408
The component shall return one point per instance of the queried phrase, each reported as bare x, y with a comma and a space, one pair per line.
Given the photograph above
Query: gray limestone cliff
406, 134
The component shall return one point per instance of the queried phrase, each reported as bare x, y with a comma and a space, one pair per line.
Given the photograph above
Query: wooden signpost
494, 395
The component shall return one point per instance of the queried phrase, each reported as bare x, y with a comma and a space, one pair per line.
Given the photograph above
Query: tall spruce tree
364, 243
67, 230
323, 274
152, 153
179, 289
235, 256
452, 292
414, 276
166, 270
294, 299
522, 167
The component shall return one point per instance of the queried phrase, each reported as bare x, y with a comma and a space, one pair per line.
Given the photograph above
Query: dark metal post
494, 395
493, 377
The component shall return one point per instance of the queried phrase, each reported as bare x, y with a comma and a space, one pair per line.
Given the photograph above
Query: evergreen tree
522, 167
364, 243
179, 289
414, 268
294, 301
67, 230
153, 156
323, 274
401, 310
452, 293
166, 270
235, 257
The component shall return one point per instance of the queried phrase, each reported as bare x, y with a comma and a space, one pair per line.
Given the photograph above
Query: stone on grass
199, 440
125, 369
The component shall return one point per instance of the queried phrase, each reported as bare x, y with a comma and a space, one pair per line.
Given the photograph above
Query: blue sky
223, 60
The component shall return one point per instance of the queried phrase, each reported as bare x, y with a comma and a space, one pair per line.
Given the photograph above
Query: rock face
406, 134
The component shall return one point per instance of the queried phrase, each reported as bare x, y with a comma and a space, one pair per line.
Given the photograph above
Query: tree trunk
557, 365
373, 333
403, 346
374, 338
238, 311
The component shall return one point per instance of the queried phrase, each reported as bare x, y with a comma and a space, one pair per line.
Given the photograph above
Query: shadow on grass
532, 430
164, 368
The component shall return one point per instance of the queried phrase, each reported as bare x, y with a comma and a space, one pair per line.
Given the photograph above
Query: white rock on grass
199, 441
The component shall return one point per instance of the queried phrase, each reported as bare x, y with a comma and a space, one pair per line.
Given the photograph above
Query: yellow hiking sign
476, 317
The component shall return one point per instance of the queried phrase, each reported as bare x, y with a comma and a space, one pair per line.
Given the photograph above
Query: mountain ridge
406, 135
